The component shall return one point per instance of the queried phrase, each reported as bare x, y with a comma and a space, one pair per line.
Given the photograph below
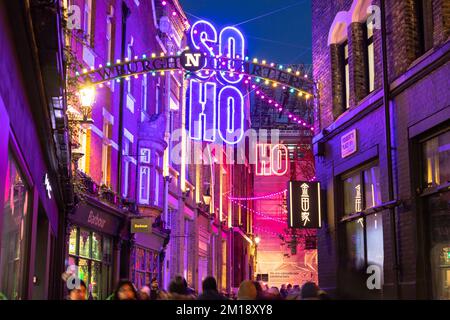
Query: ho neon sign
271, 159
216, 100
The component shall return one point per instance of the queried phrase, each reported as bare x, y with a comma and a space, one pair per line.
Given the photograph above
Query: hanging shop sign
304, 205
93, 217
48, 186
349, 143
141, 225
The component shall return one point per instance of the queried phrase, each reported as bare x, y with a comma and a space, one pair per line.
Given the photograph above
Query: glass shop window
16, 209
145, 266
91, 252
436, 160
364, 232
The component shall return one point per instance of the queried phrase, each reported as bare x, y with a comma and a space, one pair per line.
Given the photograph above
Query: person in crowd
273, 294
125, 290
293, 293
323, 295
178, 289
289, 288
247, 291
144, 293
310, 291
78, 292
154, 289
210, 292
260, 294
283, 291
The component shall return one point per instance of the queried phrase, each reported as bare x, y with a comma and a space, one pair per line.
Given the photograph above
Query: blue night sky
282, 37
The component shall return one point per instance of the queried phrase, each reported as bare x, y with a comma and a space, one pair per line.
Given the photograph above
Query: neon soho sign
216, 100
271, 159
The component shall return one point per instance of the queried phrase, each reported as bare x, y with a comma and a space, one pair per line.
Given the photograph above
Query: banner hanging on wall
304, 205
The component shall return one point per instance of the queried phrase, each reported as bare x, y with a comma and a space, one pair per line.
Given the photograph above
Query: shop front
94, 246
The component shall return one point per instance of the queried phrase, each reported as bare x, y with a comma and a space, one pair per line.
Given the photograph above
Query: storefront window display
91, 252
145, 266
16, 209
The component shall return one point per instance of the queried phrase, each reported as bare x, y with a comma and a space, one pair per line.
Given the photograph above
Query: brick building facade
381, 146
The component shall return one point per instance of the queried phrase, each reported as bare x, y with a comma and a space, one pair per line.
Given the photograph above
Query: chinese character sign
304, 205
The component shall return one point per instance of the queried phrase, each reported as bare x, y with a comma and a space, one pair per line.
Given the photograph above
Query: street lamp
87, 97
207, 197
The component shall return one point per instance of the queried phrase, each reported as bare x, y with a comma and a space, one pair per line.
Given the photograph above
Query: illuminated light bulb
246, 81
77, 73
266, 82
84, 70
299, 122
257, 92
258, 80
306, 76
246, 58
126, 59
224, 63
280, 67
289, 70
263, 62
274, 84
262, 97
154, 74
297, 73
284, 87
101, 85
280, 109
292, 90
300, 94
162, 72
276, 105
172, 72
118, 61
164, 3
186, 48
92, 68
153, 55
290, 116
144, 56
161, 54
206, 72
118, 80
180, 72
312, 128
272, 64
136, 57
255, 60
231, 74
238, 56
136, 76
174, 13
127, 78
270, 101
249, 78
307, 96
253, 86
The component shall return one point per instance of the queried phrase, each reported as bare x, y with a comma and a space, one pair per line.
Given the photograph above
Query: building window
144, 176
106, 153
88, 17
91, 252
364, 232
346, 74
130, 80
156, 200
126, 166
110, 32
424, 12
144, 94
436, 157
145, 266
370, 57
157, 97
14, 232
436, 172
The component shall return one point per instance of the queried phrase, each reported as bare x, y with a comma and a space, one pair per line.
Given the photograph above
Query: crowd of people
179, 290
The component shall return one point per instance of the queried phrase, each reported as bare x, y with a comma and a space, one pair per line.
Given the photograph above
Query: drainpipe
387, 125
125, 16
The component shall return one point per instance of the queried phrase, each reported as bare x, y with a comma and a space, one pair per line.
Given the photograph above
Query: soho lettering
216, 108
271, 160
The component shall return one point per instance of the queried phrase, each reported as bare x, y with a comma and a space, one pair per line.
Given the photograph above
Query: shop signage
141, 225
349, 144
192, 61
93, 217
304, 204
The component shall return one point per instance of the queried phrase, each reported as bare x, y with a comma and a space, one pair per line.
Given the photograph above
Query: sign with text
304, 205
349, 144
141, 225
